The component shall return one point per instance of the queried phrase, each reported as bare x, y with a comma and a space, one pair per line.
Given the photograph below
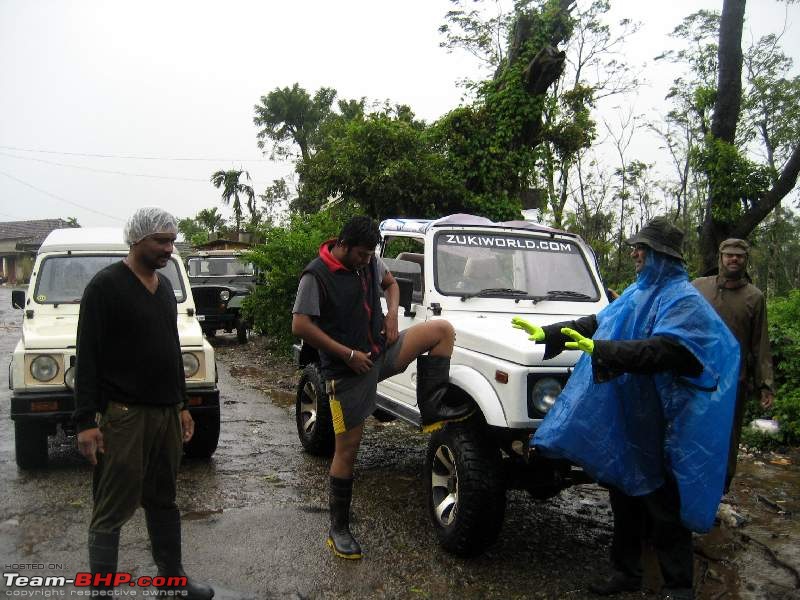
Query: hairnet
147, 221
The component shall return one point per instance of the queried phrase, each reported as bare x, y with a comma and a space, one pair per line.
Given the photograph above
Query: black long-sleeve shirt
128, 348
611, 358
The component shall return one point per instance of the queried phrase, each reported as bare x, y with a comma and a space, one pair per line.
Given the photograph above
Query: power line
106, 171
111, 172
130, 157
45, 192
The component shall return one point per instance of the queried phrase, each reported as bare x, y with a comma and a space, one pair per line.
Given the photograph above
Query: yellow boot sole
439, 424
332, 546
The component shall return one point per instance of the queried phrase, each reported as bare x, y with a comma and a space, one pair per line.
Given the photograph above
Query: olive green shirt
744, 311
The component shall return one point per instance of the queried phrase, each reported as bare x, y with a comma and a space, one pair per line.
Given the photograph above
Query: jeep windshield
219, 266
62, 279
518, 267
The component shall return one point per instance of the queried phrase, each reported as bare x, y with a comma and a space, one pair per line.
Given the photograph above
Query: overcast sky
174, 83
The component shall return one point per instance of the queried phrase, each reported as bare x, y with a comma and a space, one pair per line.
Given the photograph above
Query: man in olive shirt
129, 371
742, 306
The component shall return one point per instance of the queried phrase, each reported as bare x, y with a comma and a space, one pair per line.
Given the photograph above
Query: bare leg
437, 337
344, 455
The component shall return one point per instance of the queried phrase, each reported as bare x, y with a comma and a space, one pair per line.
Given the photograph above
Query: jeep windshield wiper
561, 295
568, 294
492, 291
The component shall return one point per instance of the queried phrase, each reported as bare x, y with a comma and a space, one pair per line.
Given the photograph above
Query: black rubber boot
103, 555
615, 582
340, 540
433, 377
164, 527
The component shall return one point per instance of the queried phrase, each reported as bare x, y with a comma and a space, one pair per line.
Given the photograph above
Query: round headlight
544, 394
190, 364
44, 367
69, 378
224, 295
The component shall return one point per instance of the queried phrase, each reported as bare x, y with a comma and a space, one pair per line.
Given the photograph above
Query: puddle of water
282, 398
239, 371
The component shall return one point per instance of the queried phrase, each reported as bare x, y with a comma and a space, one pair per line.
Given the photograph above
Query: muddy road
255, 515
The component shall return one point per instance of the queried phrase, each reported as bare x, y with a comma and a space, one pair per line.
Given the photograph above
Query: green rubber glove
536, 332
580, 343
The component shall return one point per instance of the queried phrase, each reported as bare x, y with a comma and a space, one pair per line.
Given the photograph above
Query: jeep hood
42, 333
493, 335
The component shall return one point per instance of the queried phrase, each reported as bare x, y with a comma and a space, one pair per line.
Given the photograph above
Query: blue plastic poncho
628, 432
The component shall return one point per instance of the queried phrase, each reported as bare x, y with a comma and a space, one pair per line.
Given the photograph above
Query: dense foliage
784, 317
280, 260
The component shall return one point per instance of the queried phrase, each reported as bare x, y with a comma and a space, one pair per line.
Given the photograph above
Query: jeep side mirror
406, 289
18, 298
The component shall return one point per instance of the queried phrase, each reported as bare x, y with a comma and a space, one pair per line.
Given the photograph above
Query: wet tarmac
255, 515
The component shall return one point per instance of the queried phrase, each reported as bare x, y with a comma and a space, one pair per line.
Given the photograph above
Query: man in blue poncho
648, 410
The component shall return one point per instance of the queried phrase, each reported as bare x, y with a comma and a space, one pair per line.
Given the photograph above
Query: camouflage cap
734, 246
660, 235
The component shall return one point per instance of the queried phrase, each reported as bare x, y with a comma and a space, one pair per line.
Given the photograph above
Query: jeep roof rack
465, 220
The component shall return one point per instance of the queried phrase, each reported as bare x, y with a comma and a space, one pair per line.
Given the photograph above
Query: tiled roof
30, 231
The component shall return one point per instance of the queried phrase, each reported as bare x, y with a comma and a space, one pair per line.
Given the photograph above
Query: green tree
775, 254
594, 69
493, 144
275, 198
478, 158
192, 231
733, 129
742, 191
281, 259
290, 116
211, 220
232, 188
384, 163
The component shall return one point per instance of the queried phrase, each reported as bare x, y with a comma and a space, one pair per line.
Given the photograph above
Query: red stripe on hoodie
329, 259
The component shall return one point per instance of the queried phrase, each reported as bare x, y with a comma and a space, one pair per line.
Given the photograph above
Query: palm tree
231, 188
210, 219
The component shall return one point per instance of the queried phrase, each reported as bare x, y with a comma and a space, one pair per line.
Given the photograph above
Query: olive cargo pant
143, 448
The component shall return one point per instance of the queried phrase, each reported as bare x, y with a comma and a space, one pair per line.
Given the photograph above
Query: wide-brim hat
660, 235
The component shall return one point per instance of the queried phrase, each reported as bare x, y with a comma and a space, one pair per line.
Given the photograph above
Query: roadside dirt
752, 554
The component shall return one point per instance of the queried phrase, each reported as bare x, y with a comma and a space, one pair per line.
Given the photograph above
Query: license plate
201, 317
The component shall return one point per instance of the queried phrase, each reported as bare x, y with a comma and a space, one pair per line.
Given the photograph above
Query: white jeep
41, 372
478, 275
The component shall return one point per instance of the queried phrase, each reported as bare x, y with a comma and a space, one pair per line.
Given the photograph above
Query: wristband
352, 352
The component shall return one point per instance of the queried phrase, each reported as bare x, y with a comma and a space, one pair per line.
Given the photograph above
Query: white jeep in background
42, 373
478, 275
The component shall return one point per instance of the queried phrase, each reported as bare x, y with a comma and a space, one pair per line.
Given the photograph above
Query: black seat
419, 259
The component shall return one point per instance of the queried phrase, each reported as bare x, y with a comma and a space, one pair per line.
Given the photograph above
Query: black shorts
352, 399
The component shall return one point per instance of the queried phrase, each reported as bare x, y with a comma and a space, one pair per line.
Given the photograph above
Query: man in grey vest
338, 312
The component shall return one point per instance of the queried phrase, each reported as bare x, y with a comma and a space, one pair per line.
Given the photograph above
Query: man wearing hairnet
744, 310
647, 410
130, 390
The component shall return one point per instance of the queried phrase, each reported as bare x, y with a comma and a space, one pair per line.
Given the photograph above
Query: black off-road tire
465, 492
206, 436
30, 443
313, 413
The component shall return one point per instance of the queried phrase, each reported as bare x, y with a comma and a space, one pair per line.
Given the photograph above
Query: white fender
481, 391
